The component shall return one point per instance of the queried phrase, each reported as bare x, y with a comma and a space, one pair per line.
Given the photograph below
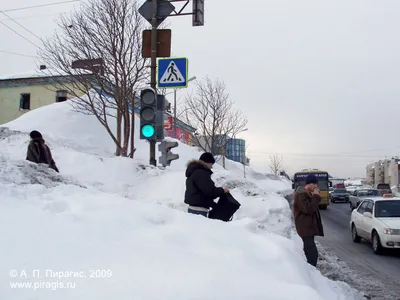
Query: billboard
181, 135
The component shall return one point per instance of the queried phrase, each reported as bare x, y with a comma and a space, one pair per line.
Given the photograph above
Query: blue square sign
172, 72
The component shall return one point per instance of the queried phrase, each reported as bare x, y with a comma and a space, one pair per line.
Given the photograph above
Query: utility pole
153, 82
174, 113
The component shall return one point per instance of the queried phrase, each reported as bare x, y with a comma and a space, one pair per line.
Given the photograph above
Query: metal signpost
172, 73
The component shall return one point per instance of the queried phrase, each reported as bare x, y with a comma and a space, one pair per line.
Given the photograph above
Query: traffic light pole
153, 82
174, 113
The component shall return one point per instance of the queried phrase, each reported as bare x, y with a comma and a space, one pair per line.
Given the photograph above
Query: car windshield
341, 191
382, 186
387, 209
368, 193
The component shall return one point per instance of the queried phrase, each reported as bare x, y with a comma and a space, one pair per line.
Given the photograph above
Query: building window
25, 101
61, 96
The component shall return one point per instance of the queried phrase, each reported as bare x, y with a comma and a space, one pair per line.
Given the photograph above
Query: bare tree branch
212, 112
109, 30
276, 164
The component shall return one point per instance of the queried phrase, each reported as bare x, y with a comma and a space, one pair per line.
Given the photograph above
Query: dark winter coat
38, 152
200, 189
307, 217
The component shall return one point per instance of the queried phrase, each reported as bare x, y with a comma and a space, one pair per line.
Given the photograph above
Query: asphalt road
379, 275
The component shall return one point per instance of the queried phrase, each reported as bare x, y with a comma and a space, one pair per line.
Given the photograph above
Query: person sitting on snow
38, 152
200, 189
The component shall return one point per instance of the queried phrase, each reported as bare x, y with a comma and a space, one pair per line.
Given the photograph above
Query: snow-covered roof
38, 74
32, 74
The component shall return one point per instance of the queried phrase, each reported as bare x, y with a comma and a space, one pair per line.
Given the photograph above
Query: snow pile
353, 182
115, 228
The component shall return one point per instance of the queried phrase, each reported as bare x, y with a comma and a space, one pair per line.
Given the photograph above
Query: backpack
225, 208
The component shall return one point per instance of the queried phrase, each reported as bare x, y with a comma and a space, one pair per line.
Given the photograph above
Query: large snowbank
122, 216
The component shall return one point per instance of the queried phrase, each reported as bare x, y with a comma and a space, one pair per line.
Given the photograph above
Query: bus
299, 180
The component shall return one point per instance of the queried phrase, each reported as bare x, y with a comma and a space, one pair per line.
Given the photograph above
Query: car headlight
391, 231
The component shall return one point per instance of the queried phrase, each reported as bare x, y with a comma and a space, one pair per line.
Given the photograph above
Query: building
384, 171
235, 150
22, 93
232, 148
184, 132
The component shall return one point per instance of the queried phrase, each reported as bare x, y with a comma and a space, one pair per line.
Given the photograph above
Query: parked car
384, 188
377, 219
351, 188
340, 195
360, 194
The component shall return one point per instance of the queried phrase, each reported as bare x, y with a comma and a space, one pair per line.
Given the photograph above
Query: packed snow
109, 227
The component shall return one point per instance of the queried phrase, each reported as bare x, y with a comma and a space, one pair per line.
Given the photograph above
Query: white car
377, 219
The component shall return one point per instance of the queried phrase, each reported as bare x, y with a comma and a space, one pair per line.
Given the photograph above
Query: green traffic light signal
148, 131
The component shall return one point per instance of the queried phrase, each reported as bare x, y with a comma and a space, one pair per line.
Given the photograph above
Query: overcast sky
318, 80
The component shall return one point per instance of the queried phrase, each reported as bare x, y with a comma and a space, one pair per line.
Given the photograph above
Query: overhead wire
19, 54
33, 17
29, 7
20, 25
20, 35
40, 5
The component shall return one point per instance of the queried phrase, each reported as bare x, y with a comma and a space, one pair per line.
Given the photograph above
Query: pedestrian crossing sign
172, 72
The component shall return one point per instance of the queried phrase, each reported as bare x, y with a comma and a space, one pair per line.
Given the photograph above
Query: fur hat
35, 134
207, 157
311, 179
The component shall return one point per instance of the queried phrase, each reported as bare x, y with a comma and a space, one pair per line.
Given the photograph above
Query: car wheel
376, 243
356, 238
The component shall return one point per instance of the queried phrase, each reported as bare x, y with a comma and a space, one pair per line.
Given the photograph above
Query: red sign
182, 135
168, 123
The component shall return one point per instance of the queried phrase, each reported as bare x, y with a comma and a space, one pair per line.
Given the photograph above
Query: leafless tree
211, 111
107, 35
276, 164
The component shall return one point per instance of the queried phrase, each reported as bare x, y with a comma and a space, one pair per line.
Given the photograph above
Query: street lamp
190, 79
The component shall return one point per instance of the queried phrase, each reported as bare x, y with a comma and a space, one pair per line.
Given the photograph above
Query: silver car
358, 196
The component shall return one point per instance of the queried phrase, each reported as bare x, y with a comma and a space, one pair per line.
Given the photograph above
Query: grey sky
318, 80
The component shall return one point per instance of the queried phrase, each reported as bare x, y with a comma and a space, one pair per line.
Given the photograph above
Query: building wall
379, 172
236, 150
394, 172
40, 95
384, 171
370, 174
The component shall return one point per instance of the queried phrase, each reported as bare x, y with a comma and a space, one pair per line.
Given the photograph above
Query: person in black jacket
38, 152
200, 189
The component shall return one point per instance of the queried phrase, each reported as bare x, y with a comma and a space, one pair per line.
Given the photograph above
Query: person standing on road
200, 189
307, 217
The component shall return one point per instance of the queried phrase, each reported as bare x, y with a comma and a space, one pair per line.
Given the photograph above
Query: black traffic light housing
166, 155
148, 115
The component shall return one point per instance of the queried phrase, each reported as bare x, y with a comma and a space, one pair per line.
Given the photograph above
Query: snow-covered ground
114, 228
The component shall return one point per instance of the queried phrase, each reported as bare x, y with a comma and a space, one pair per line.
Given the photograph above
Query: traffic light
166, 156
148, 114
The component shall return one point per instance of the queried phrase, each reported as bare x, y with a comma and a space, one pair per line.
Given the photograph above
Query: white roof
32, 74
380, 198
38, 74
